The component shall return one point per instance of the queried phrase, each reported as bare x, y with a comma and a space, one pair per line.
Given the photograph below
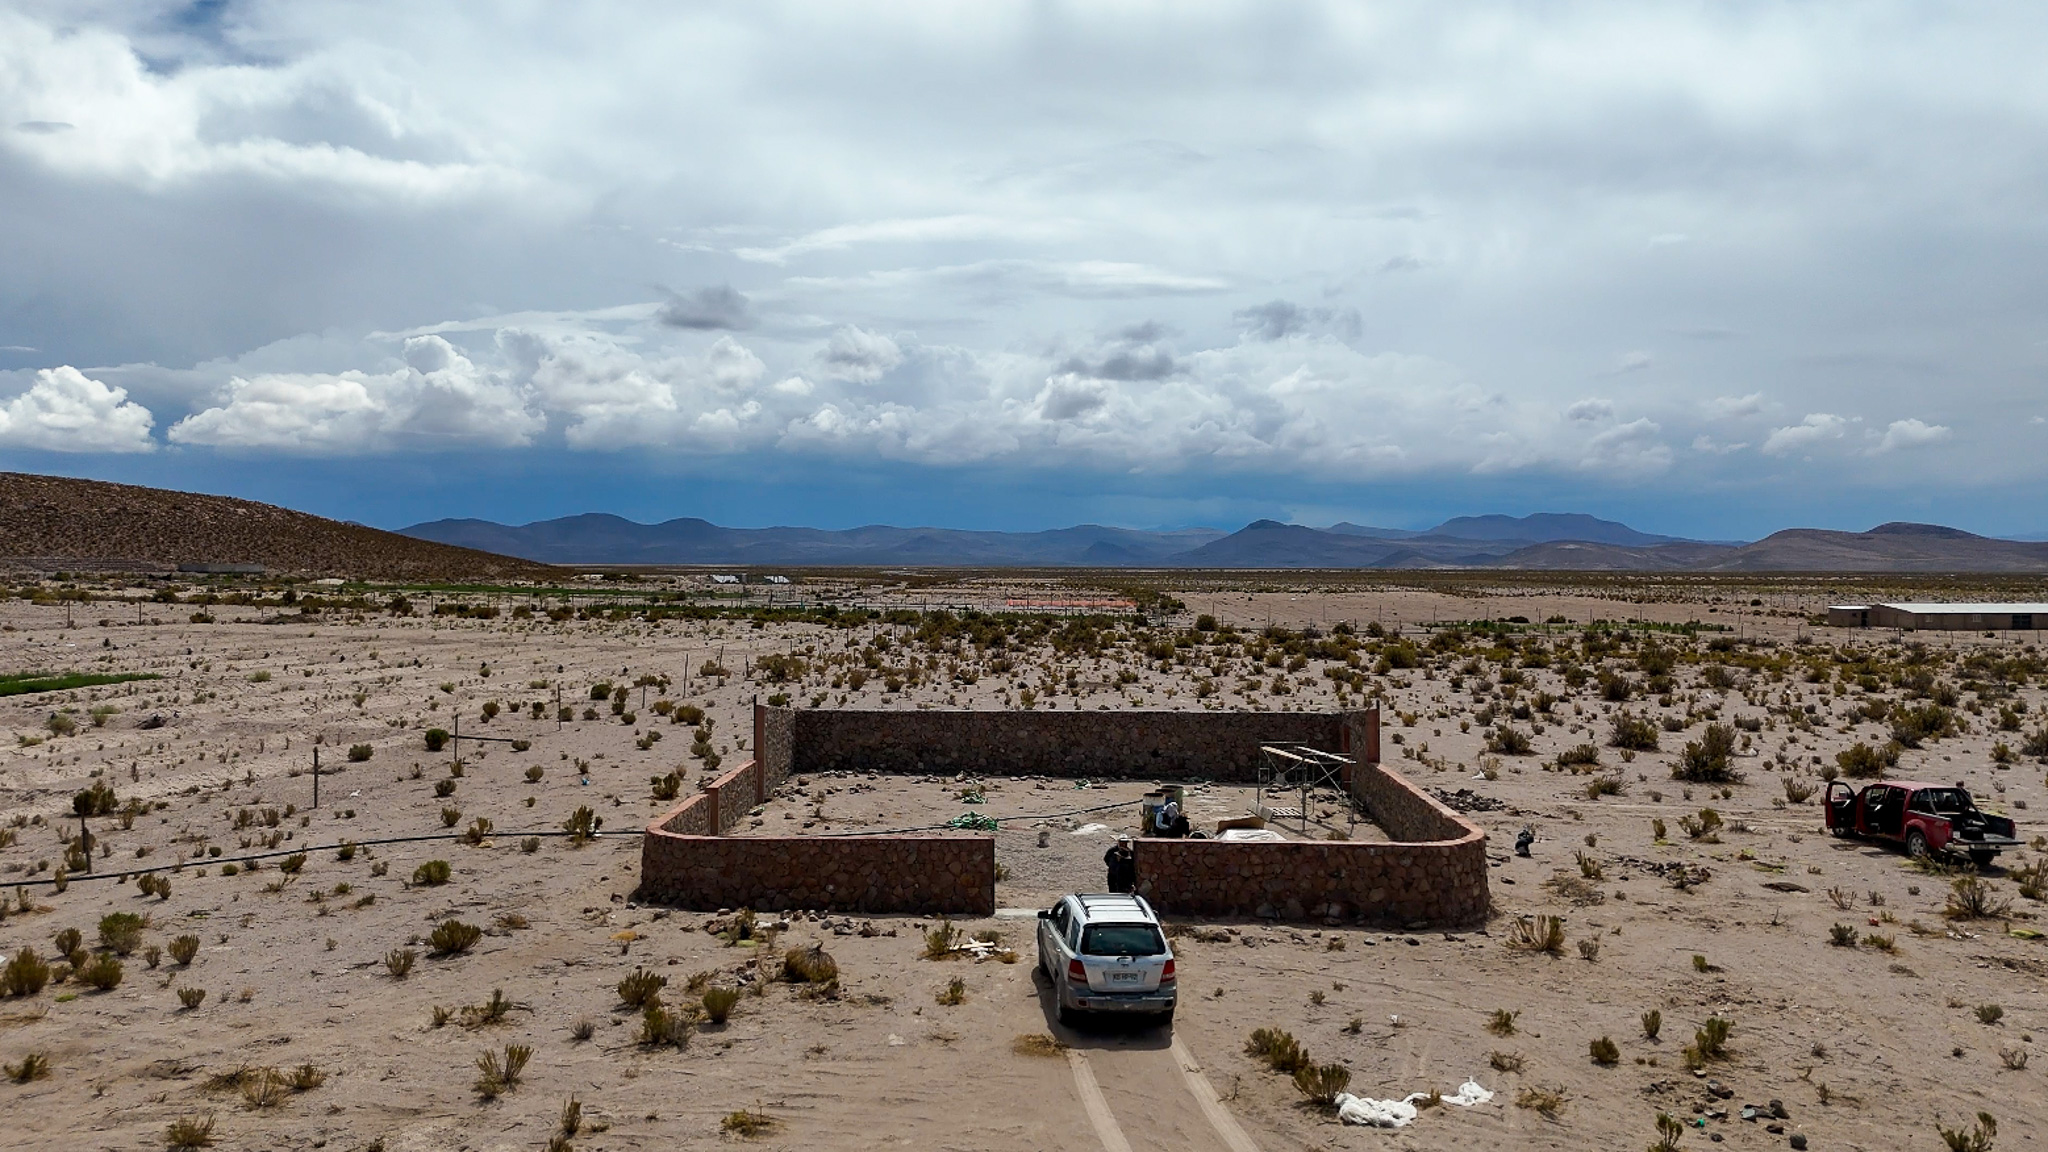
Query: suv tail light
1166, 973
1077, 971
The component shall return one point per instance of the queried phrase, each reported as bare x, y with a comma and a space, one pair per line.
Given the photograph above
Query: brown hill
47, 521
1896, 547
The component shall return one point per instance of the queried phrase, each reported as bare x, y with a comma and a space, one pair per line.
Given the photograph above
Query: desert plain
1874, 998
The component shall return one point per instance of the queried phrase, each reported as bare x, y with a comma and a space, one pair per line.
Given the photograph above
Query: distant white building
776, 579
725, 579
1940, 617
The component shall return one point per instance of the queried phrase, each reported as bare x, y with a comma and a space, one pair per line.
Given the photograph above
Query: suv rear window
1121, 940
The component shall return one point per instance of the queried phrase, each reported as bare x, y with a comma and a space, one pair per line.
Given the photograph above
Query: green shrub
718, 1003
638, 989
1707, 760
453, 937
1632, 733
1322, 1083
183, 949
102, 972
437, 739
432, 874
357, 753
121, 932
25, 974
1862, 762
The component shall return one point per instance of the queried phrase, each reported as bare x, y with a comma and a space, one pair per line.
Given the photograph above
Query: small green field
22, 683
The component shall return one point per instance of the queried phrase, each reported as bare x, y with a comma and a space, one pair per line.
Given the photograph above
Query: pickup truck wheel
1916, 844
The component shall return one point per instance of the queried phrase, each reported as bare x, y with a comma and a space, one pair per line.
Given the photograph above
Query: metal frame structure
1298, 767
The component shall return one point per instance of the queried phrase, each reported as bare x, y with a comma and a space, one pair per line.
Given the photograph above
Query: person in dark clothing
1122, 866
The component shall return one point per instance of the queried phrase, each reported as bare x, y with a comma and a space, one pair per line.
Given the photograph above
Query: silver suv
1105, 953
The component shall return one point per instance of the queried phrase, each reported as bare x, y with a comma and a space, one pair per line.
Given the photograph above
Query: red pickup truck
1926, 818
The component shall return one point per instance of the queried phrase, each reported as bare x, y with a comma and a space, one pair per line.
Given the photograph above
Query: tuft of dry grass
747, 1123
1322, 1082
1546, 1102
190, 1132
34, 1066
1506, 1061
1543, 933
1037, 1044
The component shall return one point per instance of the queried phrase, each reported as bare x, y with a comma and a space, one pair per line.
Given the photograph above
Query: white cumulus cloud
1911, 433
1815, 428
67, 411
438, 398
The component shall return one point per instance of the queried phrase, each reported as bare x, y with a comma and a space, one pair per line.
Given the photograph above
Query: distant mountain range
1547, 541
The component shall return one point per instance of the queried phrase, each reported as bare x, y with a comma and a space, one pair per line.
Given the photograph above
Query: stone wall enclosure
1434, 873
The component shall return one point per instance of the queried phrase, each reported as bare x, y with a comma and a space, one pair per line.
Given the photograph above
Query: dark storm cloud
1279, 319
1125, 364
719, 307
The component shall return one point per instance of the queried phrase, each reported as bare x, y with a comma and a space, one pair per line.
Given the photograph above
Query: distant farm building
725, 579
1940, 617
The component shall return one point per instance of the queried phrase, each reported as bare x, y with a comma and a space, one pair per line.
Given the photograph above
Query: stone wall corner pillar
710, 803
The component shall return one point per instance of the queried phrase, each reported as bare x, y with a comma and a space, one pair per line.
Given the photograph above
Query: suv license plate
1123, 977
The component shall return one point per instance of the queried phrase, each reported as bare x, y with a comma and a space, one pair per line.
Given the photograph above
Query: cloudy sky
1713, 269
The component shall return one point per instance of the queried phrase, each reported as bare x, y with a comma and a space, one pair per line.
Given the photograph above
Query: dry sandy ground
1866, 1049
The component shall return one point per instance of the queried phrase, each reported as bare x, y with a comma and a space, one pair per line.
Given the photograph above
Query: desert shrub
534, 773
1578, 755
1509, 741
399, 961
453, 937
1707, 760
940, 939
496, 1076
954, 994
1989, 1013
1589, 866
811, 965
1502, 1022
638, 989
1605, 1052
68, 942
443, 789
666, 787
121, 932
1711, 1041
184, 948
1702, 826
1589, 948
25, 974
34, 1066
102, 972
437, 739
582, 826
1546, 1102
1653, 1023
357, 753
530, 845
746, 1123
1798, 791
660, 1027
1537, 934
192, 996
432, 874
1506, 1061
1632, 733
1278, 1049
718, 1003
450, 817
1321, 1083
478, 829
1913, 726
1977, 1139
291, 864
1970, 898
1842, 936
189, 1133
1860, 761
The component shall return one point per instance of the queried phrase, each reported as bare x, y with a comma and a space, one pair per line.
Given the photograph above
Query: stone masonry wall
929, 875
1434, 874
1222, 746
